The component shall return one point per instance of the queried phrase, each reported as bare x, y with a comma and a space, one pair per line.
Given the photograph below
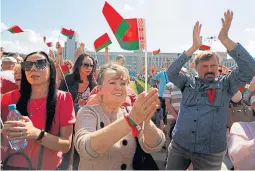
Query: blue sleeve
245, 71
174, 75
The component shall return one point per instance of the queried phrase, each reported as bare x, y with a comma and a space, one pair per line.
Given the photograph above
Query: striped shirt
174, 94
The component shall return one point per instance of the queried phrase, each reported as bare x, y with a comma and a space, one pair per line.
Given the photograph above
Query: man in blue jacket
199, 135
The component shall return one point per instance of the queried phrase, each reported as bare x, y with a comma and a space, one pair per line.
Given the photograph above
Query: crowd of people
90, 119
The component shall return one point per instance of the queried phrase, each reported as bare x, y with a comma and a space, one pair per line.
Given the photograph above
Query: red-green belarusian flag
118, 25
130, 41
15, 29
155, 52
102, 42
67, 33
65, 70
204, 47
49, 44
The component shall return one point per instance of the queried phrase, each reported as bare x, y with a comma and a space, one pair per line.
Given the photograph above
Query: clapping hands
145, 106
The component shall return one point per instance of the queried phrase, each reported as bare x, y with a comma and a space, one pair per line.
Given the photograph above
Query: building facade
70, 47
135, 61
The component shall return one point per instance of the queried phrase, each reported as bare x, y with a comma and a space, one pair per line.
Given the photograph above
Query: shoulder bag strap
40, 160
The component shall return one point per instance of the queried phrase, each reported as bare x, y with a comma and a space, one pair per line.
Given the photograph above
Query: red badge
211, 92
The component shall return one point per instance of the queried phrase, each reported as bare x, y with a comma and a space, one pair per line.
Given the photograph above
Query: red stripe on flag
67, 32
101, 40
49, 44
204, 47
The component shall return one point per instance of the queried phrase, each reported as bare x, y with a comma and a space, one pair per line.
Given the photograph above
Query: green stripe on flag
122, 29
11, 31
134, 45
68, 35
103, 46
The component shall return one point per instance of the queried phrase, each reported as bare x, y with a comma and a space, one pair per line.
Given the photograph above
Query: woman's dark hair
25, 92
78, 65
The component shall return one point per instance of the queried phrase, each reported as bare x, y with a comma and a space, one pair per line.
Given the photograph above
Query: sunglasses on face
40, 64
87, 65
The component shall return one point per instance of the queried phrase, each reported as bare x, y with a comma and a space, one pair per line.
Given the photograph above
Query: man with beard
199, 135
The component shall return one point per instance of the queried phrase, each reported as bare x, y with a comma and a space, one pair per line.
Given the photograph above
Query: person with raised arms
199, 135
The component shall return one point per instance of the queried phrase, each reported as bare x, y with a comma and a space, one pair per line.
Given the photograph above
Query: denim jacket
201, 125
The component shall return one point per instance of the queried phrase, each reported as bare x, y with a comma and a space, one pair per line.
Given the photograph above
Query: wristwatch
41, 136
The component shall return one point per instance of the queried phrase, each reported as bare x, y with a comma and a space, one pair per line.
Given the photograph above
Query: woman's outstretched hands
144, 107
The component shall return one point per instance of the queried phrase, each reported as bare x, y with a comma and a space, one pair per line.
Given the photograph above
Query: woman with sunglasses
47, 115
80, 83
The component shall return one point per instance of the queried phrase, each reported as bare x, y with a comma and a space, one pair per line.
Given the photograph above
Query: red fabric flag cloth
155, 52
65, 69
49, 44
118, 25
102, 42
130, 40
7, 81
67, 33
15, 29
204, 47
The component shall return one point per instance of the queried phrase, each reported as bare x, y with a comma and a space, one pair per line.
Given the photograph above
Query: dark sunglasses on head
88, 65
40, 64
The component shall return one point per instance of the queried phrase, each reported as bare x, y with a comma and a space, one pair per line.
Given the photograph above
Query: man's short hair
205, 57
119, 57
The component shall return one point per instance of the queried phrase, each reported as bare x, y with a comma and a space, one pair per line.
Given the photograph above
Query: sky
169, 23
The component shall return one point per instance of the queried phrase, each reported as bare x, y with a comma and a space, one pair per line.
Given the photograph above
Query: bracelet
40, 137
135, 128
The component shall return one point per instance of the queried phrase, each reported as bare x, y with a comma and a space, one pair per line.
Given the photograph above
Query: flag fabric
130, 40
204, 48
102, 42
118, 25
65, 69
15, 29
49, 44
44, 39
155, 52
67, 33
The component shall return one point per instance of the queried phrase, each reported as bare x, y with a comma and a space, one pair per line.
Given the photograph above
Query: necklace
37, 108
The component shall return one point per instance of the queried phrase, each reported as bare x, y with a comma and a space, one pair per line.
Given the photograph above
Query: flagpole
146, 64
146, 69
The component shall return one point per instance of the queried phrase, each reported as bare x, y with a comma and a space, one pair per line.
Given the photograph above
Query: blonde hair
17, 66
121, 72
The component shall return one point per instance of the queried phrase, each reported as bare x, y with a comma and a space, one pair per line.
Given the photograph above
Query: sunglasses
40, 64
88, 65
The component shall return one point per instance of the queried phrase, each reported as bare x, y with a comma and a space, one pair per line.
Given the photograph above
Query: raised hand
82, 47
226, 23
59, 48
197, 39
51, 54
145, 106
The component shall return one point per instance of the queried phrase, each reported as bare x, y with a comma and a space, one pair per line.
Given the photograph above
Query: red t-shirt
64, 116
7, 82
128, 102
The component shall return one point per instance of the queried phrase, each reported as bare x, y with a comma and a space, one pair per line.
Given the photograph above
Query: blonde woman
103, 135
